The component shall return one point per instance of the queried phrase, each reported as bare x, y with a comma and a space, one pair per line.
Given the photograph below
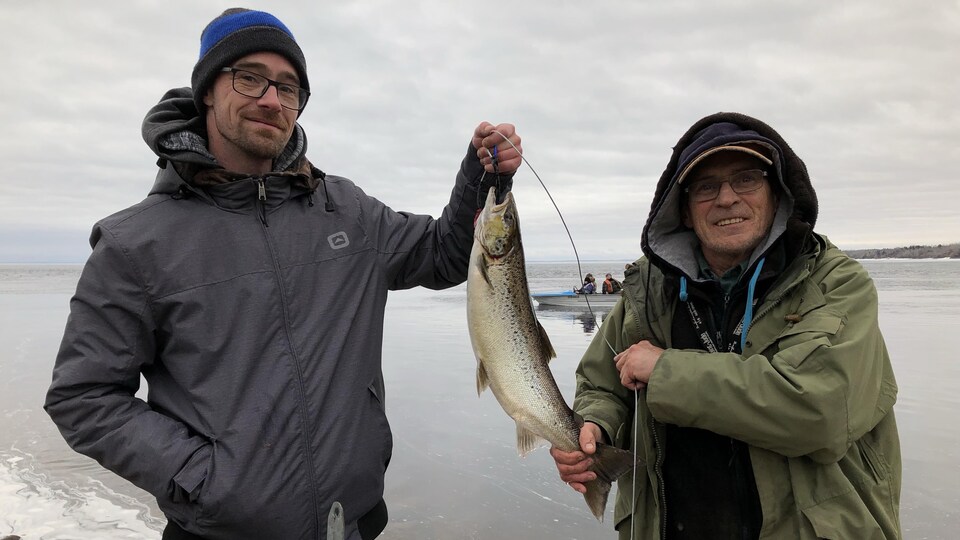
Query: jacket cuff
480, 180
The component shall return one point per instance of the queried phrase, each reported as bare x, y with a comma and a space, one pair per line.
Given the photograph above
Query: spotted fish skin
513, 350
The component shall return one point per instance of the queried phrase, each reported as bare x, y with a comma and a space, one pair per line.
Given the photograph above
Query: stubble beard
735, 246
257, 142
260, 145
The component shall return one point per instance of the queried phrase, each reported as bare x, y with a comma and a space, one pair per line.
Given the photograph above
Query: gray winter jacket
265, 401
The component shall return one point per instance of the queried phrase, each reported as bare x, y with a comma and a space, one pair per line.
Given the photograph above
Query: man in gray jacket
265, 401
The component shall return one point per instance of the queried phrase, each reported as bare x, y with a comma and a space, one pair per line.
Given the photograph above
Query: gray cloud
864, 92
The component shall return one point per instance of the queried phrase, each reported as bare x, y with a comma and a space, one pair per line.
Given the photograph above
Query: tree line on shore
939, 251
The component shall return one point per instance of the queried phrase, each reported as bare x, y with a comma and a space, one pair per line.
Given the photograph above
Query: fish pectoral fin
527, 440
481, 265
545, 343
482, 381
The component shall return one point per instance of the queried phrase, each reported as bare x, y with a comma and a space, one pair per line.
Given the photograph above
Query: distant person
222, 289
766, 394
589, 285
611, 286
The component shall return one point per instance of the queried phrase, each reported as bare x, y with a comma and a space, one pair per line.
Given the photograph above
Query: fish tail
609, 463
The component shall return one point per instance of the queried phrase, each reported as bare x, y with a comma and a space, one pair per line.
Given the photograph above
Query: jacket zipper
658, 467
735, 464
723, 334
262, 201
308, 453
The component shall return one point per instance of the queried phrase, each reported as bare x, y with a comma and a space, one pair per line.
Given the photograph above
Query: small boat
574, 300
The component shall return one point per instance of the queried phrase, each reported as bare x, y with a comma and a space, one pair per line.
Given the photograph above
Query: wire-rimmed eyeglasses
741, 182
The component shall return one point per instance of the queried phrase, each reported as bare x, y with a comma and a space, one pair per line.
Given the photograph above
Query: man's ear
208, 97
685, 214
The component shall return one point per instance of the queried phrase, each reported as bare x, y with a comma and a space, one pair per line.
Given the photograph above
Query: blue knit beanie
236, 33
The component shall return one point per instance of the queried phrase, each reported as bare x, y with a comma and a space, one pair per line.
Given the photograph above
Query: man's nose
727, 195
270, 98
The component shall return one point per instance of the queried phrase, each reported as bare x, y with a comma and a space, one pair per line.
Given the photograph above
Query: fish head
498, 227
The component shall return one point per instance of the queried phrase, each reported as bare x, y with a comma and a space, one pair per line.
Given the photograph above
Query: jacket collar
174, 130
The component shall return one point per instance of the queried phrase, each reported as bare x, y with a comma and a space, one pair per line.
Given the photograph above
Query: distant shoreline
941, 251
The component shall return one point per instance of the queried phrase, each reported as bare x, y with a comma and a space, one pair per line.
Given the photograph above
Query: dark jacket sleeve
422, 251
108, 341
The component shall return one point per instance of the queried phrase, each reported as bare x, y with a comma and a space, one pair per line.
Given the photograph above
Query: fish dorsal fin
545, 343
482, 381
526, 440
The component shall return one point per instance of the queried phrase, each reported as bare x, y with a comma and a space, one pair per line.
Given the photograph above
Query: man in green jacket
745, 363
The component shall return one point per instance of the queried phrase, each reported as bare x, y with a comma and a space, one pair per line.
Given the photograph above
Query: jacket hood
176, 132
668, 242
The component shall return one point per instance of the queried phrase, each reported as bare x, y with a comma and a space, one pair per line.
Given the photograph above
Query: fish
513, 350
335, 525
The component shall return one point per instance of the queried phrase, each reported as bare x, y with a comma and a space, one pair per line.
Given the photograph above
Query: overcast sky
864, 91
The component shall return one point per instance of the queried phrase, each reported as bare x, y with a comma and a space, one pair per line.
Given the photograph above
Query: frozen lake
455, 472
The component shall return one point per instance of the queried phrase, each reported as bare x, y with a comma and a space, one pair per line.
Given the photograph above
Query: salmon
513, 350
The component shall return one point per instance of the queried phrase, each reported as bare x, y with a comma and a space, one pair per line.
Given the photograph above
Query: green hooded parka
811, 394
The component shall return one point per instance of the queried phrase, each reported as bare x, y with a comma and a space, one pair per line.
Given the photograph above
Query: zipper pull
262, 197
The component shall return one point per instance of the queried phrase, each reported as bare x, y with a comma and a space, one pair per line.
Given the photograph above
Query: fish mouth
495, 227
491, 208
492, 204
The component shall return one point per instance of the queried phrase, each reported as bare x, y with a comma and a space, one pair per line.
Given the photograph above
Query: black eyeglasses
741, 182
253, 85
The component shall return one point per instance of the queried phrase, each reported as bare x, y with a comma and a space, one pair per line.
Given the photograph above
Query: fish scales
527, 388
513, 350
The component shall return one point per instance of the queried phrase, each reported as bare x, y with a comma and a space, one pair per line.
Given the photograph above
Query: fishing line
636, 430
559, 213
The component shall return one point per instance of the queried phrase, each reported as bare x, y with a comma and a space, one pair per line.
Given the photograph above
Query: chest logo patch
338, 240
